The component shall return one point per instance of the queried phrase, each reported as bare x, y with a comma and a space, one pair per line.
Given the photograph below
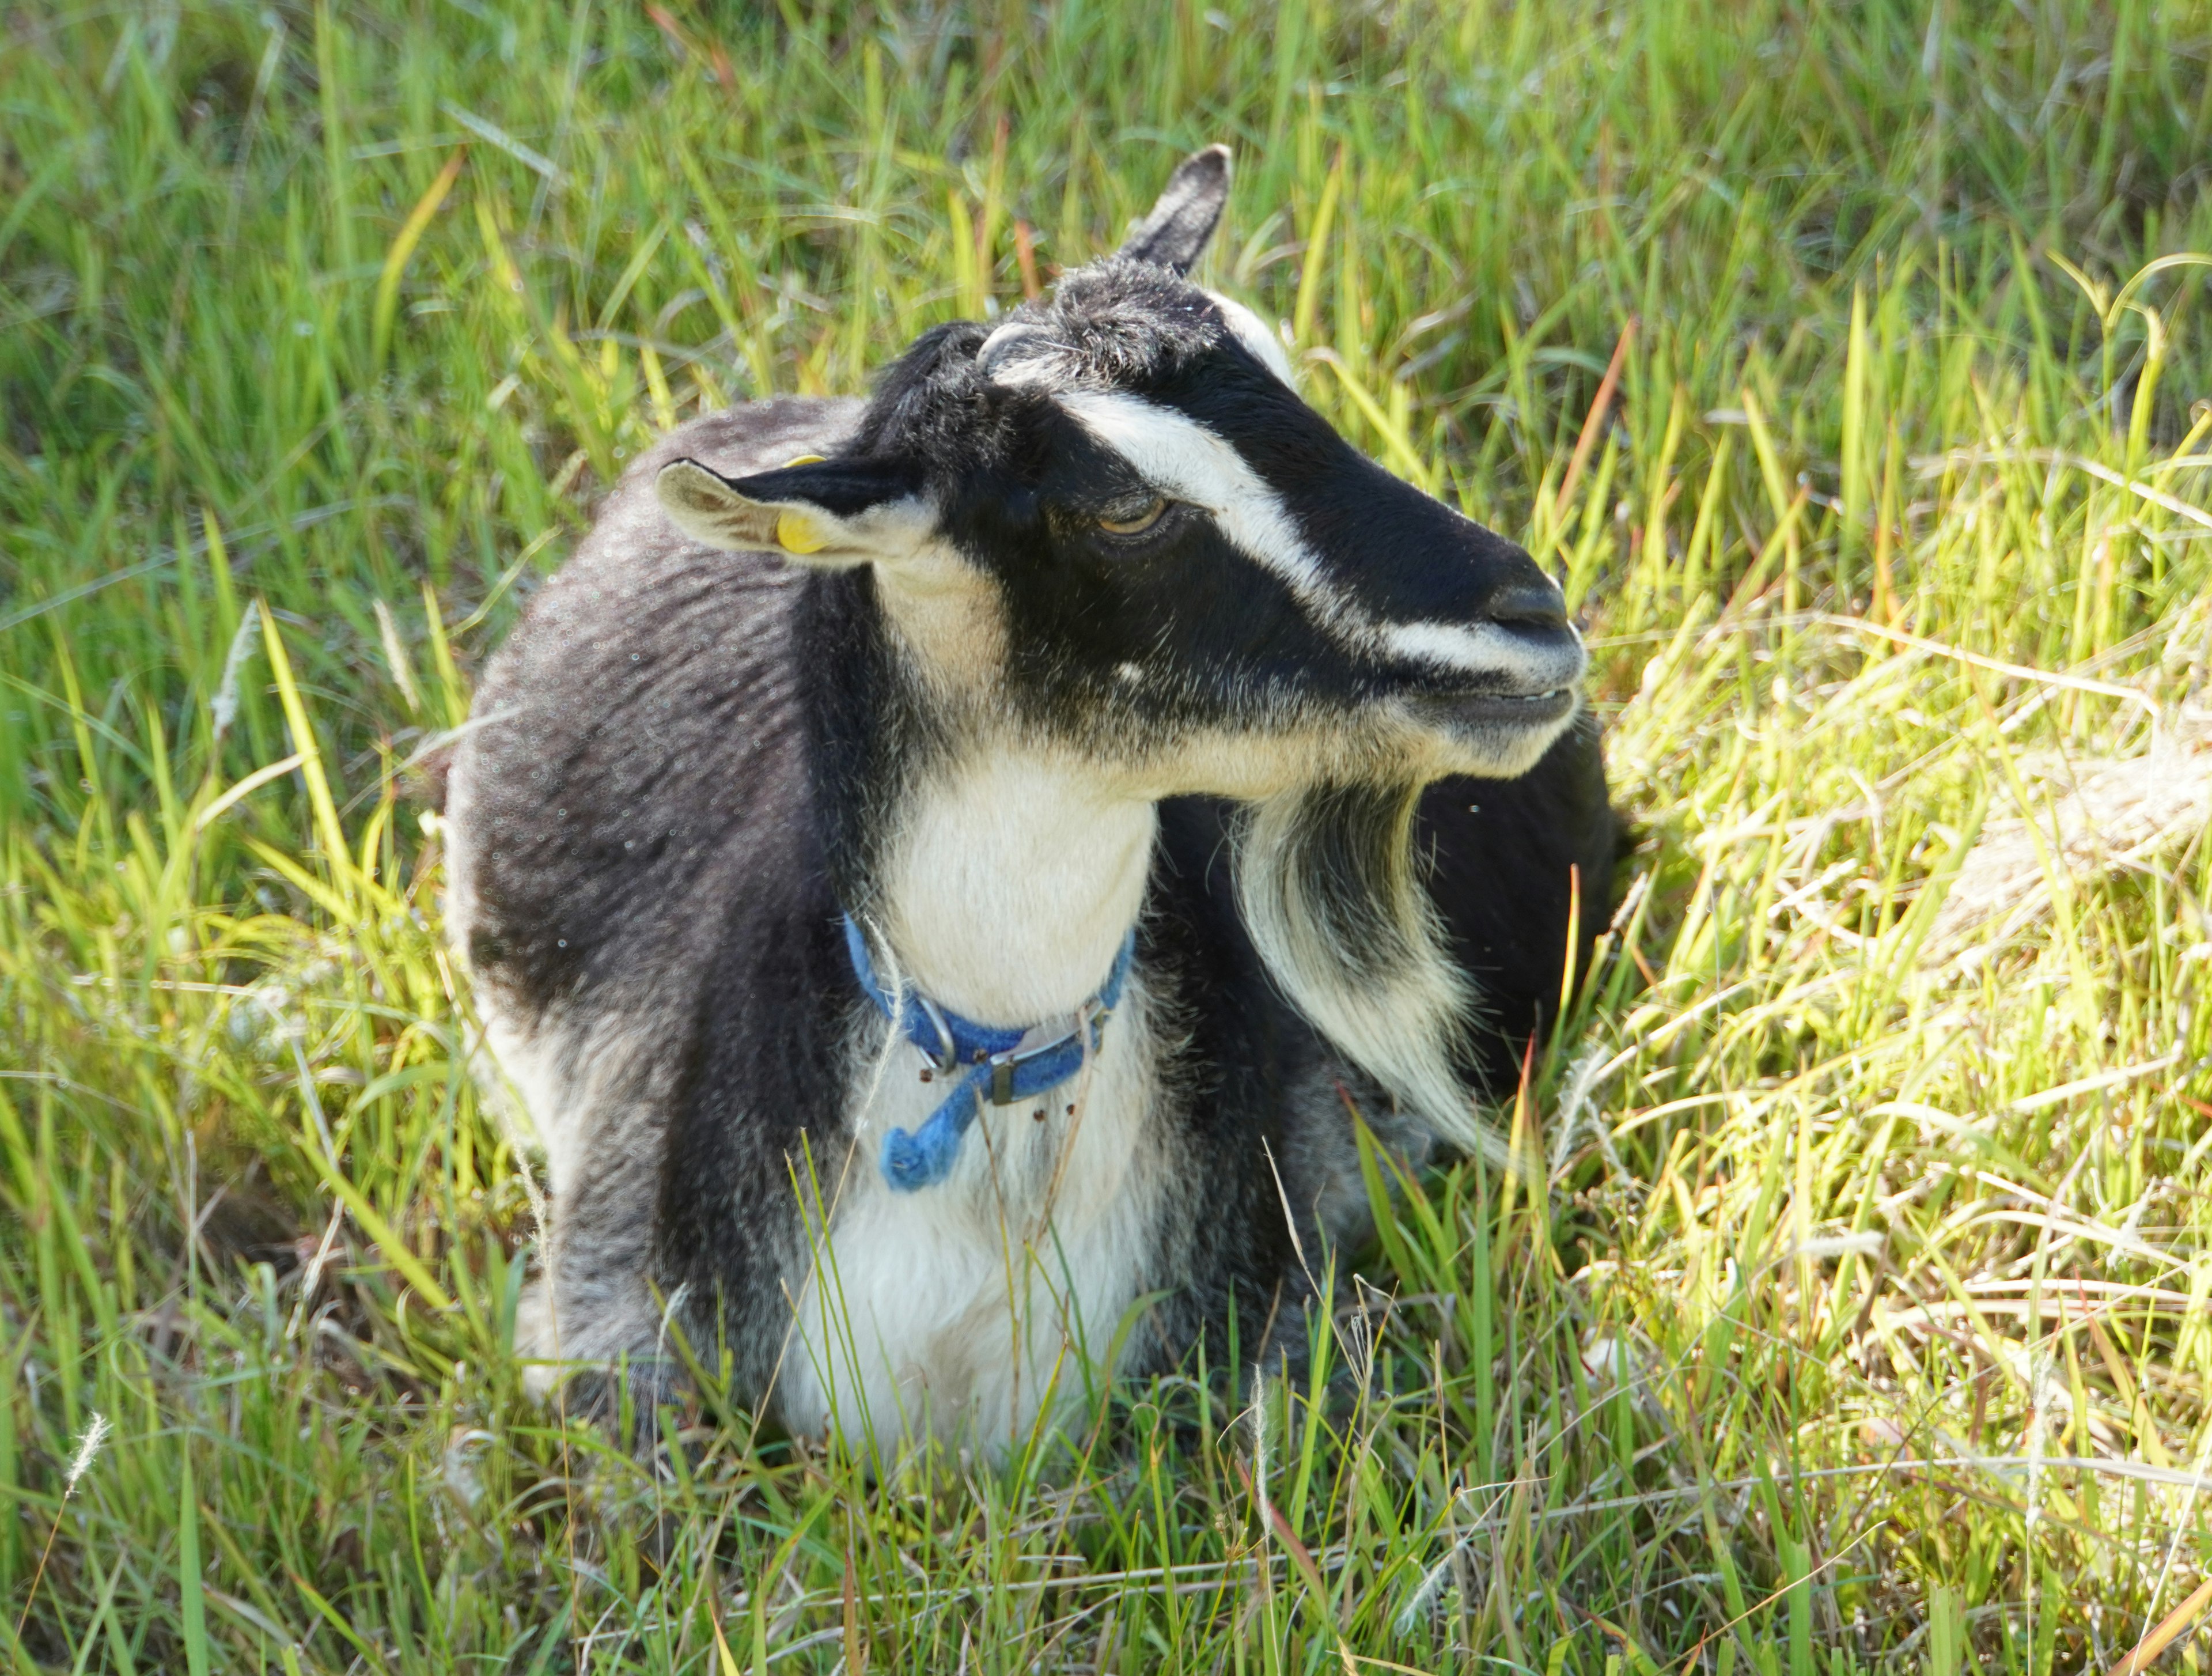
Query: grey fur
692, 753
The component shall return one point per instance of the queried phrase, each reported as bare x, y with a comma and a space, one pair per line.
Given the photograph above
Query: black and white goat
940, 897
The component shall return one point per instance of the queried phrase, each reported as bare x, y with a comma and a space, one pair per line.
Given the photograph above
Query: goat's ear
1175, 233
828, 513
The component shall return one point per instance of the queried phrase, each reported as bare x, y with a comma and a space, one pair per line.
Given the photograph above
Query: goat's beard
1332, 893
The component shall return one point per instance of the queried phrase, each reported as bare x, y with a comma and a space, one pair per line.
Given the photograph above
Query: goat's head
1111, 523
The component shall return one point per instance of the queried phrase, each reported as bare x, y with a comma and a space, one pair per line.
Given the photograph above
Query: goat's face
1112, 524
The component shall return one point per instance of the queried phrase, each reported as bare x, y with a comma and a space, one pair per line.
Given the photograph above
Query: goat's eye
1133, 520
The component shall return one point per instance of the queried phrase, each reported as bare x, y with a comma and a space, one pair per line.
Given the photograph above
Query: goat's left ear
828, 513
1175, 233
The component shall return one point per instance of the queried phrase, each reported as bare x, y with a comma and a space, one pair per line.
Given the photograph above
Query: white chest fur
974, 1306
971, 1309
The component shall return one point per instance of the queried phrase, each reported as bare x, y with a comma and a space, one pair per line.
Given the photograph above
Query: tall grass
1865, 1321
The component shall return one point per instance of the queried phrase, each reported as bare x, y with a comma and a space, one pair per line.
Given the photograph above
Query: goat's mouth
1497, 731
1489, 710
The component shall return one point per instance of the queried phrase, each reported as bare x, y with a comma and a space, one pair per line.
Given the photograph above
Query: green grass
1867, 1323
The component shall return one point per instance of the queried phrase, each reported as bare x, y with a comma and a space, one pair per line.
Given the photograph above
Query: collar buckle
1032, 1064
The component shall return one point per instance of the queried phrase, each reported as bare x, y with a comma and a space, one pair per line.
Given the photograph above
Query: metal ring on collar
948, 1052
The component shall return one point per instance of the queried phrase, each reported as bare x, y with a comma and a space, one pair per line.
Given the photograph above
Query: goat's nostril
1527, 606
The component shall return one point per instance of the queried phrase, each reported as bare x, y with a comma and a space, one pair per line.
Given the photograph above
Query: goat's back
634, 748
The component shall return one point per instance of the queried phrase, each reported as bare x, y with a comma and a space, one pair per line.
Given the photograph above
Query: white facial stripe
1180, 457
1481, 648
1250, 330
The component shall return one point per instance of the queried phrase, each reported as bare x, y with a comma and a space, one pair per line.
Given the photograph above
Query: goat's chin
1492, 750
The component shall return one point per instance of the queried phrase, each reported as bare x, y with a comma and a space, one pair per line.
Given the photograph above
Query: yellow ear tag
796, 533
803, 460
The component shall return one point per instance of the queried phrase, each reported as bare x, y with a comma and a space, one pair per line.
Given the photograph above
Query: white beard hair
1327, 884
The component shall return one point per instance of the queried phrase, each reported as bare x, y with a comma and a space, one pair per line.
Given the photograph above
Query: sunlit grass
1867, 1321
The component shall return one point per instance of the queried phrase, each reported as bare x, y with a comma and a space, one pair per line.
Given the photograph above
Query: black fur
1020, 481
1176, 231
684, 762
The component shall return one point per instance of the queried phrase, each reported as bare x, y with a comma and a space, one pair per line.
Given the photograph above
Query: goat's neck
1004, 875
1009, 879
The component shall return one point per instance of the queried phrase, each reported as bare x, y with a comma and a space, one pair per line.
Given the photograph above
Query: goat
938, 897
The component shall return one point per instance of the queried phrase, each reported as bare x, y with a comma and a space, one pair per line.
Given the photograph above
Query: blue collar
1002, 1065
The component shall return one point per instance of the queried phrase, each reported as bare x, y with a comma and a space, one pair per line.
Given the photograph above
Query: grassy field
1867, 1321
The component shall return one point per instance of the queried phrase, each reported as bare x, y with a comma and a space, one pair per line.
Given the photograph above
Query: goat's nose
1534, 606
